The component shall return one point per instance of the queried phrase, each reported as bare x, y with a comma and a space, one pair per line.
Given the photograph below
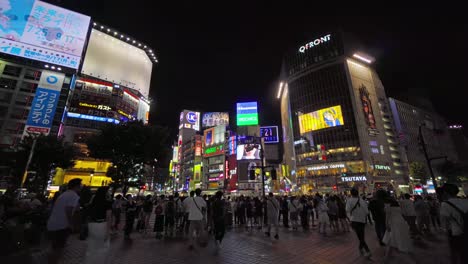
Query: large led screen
215, 119
321, 119
248, 152
40, 31
247, 114
113, 60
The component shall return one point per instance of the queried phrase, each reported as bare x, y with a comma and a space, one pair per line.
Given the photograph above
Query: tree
50, 152
130, 146
418, 171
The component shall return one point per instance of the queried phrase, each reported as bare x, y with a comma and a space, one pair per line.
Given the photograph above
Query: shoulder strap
455, 207
193, 199
357, 203
276, 208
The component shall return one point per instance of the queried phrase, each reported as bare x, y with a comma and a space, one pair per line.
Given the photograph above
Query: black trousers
380, 229
285, 218
458, 250
129, 221
359, 229
219, 229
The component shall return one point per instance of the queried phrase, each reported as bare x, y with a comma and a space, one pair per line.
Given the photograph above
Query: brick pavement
241, 247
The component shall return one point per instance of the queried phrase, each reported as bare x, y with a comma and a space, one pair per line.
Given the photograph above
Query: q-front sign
314, 43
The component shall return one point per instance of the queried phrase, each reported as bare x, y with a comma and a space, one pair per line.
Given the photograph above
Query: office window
28, 87
32, 75
12, 70
7, 83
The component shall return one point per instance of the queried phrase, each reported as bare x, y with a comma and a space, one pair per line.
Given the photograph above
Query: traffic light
252, 175
273, 175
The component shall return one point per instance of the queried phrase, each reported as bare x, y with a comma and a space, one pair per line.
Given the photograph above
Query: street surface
251, 247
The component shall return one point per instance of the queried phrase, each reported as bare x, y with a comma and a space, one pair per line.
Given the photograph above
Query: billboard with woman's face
321, 119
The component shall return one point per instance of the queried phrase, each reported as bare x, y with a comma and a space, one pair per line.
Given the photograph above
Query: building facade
337, 125
411, 123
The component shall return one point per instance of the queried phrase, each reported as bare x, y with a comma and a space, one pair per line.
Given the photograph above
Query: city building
215, 164
460, 142
337, 126
36, 71
411, 123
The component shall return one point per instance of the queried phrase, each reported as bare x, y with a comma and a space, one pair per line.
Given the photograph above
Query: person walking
196, 208
377, 209
273, 207
357, 210
455, 213
342, 217
60, 223
249, 212
117, 212
304, 213
293, 207
434, 211
396, 229
409, 214
422, 214
100, 221
323, 218
258, 213
159, 219
285, 211
333, 213
147, 210
130, 215
170, 215
219, 214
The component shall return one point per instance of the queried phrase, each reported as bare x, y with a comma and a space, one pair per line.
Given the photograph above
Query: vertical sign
44, 103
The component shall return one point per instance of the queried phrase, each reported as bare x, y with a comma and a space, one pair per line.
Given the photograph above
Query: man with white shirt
60, 220
196, 208
357, 211
452, 211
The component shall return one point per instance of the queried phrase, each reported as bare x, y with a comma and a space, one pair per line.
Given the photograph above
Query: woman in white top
398, 229
357, 211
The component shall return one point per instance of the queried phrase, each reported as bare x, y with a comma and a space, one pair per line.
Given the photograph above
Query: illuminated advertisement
175, 154
321, 119
367, 107
232, 145
198, 147
190, 119
243, 169
112, 59
143, 111
93, 118
208, 135
248, 152
215, 119
213, 151
45, 101
247, 114
269, 134
197, 172
40, 31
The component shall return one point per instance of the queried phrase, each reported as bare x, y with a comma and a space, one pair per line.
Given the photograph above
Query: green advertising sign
247, 119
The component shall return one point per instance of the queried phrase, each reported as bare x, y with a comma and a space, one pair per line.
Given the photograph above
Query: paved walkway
241, 247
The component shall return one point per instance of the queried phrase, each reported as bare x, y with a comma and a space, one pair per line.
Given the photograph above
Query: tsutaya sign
314, 43
353, 178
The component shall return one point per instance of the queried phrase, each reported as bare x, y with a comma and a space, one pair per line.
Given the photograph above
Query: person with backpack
357, 210
454, 211
377, 208
170, 215
179, 212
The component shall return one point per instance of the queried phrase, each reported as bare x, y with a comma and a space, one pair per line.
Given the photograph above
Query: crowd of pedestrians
397, 220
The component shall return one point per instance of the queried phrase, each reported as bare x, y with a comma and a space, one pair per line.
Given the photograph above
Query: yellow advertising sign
320, 119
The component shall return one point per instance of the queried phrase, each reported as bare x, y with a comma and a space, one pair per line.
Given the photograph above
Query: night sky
212, 55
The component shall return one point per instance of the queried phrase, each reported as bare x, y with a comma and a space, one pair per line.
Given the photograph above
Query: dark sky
212, 55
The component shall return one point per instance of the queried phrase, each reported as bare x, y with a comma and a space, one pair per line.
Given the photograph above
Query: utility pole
263, 169
428, 160
31, 153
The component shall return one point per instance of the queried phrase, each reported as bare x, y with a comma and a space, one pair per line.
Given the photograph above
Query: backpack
464, 225
158, 210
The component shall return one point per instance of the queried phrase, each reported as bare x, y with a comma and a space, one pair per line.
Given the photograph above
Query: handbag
386, 238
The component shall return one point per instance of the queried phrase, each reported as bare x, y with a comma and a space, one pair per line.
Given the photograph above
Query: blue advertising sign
40, 31
192, 117
269, 134
44, 103
93, 118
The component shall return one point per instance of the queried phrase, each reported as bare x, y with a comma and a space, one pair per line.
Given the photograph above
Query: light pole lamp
426, 156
